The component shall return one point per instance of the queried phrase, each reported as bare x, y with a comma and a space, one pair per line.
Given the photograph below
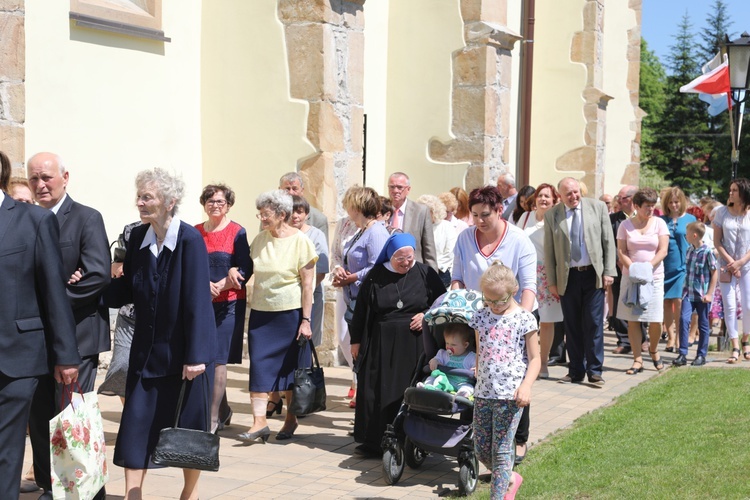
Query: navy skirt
230, 319
150, 406
273, 349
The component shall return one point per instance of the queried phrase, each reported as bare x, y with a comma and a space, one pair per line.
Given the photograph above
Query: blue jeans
701, 308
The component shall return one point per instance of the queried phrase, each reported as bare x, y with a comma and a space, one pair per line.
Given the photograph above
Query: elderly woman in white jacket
445, 236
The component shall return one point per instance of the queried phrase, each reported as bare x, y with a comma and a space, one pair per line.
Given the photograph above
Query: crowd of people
547, 260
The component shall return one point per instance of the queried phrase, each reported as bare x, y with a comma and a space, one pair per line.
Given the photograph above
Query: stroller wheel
413, 455
393, 463
468, 475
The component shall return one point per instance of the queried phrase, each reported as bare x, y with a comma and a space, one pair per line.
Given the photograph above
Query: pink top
642, 247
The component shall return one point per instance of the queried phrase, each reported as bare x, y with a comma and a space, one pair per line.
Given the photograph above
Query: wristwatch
306, 319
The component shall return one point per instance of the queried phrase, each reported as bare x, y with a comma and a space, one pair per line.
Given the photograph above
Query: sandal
745, 352
658, 364
633, 370
734, 357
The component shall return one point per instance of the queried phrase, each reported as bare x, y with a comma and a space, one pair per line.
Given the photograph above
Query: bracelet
306, 319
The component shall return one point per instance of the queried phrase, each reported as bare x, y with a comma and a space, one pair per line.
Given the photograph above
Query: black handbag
188, 448
309, 391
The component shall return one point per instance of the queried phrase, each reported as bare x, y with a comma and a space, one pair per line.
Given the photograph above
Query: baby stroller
435, 421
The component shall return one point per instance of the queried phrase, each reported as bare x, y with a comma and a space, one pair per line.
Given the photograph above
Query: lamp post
738, 52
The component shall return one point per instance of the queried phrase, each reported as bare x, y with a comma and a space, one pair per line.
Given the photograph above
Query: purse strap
303, 341
182, 397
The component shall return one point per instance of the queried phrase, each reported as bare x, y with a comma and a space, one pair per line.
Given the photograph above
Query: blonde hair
666, 198
697, 227
437, 208
499, 276
449, 200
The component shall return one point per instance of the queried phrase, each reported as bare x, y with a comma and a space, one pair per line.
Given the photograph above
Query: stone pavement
319, 462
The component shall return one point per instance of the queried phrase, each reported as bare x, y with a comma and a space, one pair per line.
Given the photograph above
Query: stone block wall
587, 49
325, 50
481, 98
12, 77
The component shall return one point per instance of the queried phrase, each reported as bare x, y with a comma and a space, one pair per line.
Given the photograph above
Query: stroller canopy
454, 306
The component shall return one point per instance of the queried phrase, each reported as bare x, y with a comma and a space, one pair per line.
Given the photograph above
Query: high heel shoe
633, 370
658, 363
283, 435
261, 435
277, 406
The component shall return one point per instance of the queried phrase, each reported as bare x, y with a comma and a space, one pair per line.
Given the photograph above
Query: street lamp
738, 52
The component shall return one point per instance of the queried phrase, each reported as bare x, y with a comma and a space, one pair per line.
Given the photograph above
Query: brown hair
668, 195
212, 189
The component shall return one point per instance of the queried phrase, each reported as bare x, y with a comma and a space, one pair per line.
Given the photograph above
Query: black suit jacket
84, 245
37, 330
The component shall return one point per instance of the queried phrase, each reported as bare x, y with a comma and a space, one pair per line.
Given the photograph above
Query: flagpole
733, 111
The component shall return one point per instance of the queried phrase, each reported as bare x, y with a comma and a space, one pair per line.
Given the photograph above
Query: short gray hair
292, 177
57, 158
278, 201
170, 188
437, 207
508, 178
401, 174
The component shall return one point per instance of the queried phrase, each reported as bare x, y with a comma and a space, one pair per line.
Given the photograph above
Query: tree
652, 100
682, 135
717, 155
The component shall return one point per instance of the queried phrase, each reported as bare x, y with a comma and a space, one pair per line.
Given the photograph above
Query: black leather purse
309, 391
188, 448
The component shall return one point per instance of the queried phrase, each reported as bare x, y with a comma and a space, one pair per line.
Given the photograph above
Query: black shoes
680, 361
698, 361
596, 380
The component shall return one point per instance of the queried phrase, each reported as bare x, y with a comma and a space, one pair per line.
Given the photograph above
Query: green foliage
673, 436
681, 135
652, 100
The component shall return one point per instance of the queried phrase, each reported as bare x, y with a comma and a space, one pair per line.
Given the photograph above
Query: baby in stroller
457, 354
436, 421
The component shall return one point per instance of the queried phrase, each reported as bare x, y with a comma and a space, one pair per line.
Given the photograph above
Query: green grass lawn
681, 435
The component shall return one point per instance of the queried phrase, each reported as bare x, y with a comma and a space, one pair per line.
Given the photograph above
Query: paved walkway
319, 462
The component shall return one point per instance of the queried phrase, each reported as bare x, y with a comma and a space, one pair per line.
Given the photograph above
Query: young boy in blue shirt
700, 283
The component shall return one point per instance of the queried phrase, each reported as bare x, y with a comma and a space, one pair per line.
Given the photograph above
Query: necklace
400, 303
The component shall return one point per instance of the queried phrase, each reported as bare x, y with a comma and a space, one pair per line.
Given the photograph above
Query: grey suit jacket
597, 234
316, 218
84, 245
418, 222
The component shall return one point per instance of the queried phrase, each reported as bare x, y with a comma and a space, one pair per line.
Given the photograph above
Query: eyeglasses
401, 260
500, 302
218, 203
263, 216
397, 188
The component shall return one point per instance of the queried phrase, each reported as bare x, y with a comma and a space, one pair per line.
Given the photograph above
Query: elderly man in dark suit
579, 252
85, 250
414, 218
37, 330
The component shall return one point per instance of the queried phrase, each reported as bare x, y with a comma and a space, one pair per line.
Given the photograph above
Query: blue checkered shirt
700, 264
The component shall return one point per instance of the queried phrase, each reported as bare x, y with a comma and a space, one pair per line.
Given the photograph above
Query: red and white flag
712, 85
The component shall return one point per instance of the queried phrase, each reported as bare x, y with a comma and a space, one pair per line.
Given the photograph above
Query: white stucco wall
422, 36
253, 131
618, 19
113, 105
557, 106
